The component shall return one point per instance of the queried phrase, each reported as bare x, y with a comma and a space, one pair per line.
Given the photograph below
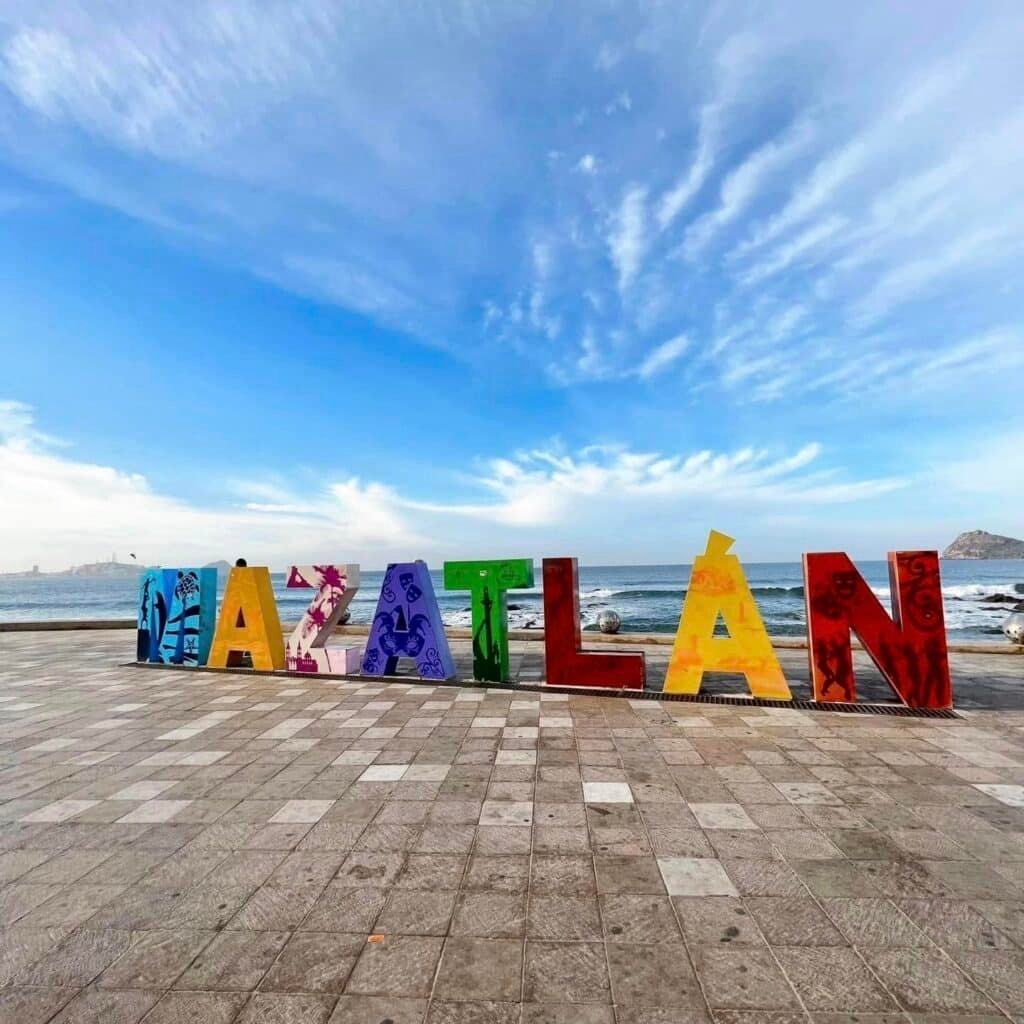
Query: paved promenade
213, 847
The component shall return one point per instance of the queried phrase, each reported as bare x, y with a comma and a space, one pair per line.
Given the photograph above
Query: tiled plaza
216, 847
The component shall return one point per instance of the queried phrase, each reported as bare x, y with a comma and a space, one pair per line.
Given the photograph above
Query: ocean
978, 597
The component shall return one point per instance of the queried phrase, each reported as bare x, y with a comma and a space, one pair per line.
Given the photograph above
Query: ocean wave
680, 592
969, 591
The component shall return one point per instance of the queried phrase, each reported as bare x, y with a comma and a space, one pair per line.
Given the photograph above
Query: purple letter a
407, 624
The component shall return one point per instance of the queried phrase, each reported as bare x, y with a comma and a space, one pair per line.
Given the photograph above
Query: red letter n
909, 648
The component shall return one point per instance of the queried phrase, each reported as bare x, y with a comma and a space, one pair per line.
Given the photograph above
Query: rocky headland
981, 544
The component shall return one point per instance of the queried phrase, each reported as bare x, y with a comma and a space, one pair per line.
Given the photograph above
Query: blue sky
364, 281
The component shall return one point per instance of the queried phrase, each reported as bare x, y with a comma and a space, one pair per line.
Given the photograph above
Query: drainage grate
892, 710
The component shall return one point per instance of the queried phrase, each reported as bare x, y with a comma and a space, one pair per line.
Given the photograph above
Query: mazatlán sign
178, 624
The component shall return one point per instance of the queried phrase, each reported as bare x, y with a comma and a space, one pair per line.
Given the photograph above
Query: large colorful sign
718, 588
307, 649
176, 612
177, 609
248, 625
407, 624
567, 664
909, 649
488, 583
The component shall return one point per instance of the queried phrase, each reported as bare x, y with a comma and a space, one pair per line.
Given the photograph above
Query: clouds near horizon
57, 505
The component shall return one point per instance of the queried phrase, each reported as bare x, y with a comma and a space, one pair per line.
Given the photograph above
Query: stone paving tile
375, 1009
565, 972
96, 1006
314, 962
833, 979
280, 1008
475, 969
717, 921
417, 913
653, 976
155, 959
484, 1012
746, 978
564, 918
1000, 974
228, 847
955, 925
925, 980
793, 921
398, 965
489, 916
873, 922
234, 961
695, 876
32, 1005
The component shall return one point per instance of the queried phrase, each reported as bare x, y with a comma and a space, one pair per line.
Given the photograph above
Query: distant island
980, 544
107, 570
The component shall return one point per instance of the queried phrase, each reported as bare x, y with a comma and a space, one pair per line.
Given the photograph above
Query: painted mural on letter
177, 610
407, 624
308, 647
909, 648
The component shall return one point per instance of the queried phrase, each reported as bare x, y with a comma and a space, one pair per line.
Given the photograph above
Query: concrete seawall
783, 643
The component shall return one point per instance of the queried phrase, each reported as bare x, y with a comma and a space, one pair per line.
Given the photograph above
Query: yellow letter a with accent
718, 586
248, 623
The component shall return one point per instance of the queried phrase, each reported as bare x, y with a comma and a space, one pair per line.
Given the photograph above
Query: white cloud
973, 252
865, 149
622, 102
788, 253
57, 511
740, 186
627, 237
672, 202
17, 426
734, 64
587, 164
546, 487
607, 57
662, 357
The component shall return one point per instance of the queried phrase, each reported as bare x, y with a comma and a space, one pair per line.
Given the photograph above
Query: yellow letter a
718, 586
248, 623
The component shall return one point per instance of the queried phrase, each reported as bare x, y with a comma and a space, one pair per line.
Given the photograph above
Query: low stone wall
783, 643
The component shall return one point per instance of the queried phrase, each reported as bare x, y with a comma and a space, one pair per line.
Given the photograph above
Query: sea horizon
978, 595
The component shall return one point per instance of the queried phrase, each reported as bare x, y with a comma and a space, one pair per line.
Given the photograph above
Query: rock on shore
980, 544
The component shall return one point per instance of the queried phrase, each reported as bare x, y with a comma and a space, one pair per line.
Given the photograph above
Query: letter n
566, 663
909, 649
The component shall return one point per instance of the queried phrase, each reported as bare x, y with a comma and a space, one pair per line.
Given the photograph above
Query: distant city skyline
317, 281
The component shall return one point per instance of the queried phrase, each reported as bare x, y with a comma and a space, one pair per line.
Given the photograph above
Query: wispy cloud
663, 356
740, 186
627, 235
546, 486
675, 199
